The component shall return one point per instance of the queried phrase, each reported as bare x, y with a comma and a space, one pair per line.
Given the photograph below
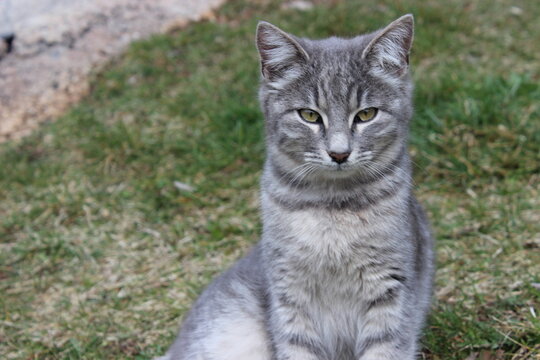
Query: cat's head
336, 107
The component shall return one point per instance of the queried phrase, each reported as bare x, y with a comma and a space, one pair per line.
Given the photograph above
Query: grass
101, 254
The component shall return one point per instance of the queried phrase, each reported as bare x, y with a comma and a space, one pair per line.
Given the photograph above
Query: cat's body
345, 264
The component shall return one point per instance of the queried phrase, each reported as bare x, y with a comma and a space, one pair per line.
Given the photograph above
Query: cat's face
336, 108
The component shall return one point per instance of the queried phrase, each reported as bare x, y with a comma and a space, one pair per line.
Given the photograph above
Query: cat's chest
328, 233
340, 254
333, 263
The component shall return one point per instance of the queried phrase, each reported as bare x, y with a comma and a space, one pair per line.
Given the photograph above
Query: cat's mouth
333, 170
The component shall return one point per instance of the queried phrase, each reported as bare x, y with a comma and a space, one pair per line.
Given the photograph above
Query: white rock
60, 42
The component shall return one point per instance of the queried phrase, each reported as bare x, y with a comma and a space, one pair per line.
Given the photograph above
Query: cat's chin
337, 172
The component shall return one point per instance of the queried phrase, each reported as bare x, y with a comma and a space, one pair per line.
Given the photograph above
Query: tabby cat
344, 267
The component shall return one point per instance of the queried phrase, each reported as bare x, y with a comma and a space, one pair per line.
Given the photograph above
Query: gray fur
344, 267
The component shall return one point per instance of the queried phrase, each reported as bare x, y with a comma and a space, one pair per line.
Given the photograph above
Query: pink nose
339, 157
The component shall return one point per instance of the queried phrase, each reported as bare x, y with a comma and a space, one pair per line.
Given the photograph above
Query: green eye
309, 115
366, 114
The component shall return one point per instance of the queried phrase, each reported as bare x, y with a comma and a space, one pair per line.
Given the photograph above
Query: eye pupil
309, 115
365, 115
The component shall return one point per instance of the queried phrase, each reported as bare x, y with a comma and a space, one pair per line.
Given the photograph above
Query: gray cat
344, 267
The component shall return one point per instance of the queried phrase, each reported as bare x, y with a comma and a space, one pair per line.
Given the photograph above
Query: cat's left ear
389, 50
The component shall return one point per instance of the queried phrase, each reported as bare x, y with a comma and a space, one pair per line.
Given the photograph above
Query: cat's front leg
292, 331
388, 328
392, 349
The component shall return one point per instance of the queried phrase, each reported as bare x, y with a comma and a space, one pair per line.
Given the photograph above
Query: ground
48, 49
116, 215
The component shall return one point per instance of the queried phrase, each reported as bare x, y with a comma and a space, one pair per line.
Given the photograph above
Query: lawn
103, 248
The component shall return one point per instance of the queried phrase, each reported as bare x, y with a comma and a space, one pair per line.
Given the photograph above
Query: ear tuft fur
388, 51
280, 54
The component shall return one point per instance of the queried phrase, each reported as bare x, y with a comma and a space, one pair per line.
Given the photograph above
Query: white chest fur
335, 260
336, 235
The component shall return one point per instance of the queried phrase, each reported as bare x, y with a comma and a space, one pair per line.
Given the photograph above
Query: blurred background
131, 146
48, 48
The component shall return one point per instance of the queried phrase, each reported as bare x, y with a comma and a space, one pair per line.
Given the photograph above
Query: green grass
100, 253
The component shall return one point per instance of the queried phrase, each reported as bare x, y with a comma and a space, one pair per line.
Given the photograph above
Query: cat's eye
309, 115
366, 114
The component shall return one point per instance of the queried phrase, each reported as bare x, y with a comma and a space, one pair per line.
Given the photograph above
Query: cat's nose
339, 157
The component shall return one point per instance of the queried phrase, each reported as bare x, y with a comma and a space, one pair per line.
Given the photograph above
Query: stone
58, 43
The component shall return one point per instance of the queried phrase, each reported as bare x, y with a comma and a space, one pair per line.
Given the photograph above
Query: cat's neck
354, 193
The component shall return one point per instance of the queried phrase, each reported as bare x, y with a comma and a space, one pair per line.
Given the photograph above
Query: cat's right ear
281, 55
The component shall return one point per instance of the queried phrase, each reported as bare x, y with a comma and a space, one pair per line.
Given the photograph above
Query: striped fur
345, 264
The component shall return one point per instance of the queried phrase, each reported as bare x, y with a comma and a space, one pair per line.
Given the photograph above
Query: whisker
395, 171
301, 175
396, 168
297, 168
